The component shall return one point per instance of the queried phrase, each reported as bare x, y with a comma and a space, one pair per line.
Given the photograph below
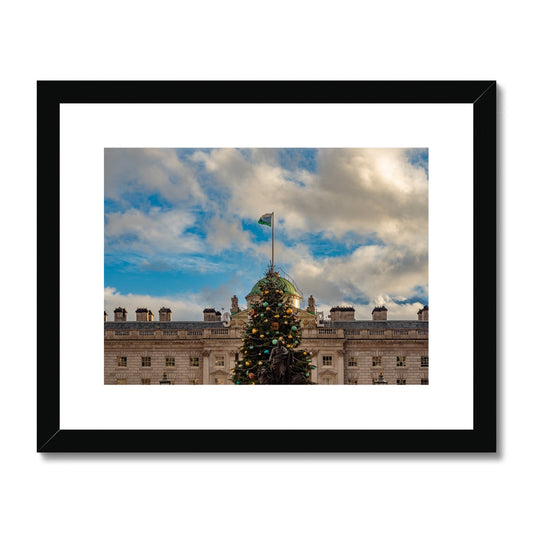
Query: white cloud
185, 307
149, 171
152, 233
372, 201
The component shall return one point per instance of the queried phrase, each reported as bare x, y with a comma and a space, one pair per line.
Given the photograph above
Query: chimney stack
379, 313
165, 314
210, 315
342, 314
423, 314
120, 314
144, 315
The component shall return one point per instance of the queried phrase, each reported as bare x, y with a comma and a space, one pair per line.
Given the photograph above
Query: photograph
266, 266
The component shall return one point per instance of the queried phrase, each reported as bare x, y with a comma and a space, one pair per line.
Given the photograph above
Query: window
352, 360
424, 381
424, 361
400, 381
145, 381
220, 381
352, 381
376, 360
122, 361
327, 381
219, 360
121, 381
146, 361
327, 360
194, 361
194, 381
170, 361
401, 360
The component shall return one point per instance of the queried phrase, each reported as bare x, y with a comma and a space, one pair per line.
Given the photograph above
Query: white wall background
274, 40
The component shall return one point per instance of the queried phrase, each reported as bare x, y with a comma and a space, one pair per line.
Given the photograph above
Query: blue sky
181, 226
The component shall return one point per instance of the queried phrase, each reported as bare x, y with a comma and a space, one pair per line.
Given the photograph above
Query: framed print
268, 233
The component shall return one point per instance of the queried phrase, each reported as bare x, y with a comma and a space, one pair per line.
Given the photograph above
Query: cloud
184, 307
151, 233
150, 170
351, 224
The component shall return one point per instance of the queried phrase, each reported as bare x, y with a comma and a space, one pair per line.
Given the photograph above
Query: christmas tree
269, 354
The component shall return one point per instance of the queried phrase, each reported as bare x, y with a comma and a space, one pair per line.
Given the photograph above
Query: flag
266, 219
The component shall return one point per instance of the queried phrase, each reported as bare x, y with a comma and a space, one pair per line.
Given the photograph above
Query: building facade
345, 350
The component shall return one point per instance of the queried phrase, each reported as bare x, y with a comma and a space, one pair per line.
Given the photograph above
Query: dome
288, 288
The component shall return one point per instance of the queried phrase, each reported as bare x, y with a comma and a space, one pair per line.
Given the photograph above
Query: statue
281, 361
279, 370
235, 304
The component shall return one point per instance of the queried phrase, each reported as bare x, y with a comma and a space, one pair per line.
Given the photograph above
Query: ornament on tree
258, 366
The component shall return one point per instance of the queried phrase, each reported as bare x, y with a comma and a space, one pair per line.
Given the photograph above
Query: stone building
346, 350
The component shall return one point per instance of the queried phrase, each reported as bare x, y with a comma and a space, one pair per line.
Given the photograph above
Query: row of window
222, 381
353, 381
171, 361
148, 381
327, 360
401, 360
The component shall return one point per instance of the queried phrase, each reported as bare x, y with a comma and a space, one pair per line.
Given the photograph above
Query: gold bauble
261, 335
247, 363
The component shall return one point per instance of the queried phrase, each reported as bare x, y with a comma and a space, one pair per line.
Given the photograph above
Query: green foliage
272, 322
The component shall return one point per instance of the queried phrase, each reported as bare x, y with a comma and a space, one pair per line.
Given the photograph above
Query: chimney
120, 314
218, 316
342, 314
105, 316
165, 314
379, 313
209, 315
143, 314
423, 314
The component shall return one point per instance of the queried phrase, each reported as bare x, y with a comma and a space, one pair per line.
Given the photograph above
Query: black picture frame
52, 438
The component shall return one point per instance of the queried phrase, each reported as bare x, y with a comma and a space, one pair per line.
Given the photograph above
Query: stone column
314, 371
340, 367
205, 367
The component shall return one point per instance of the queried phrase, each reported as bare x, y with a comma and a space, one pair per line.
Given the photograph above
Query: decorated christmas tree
270, 352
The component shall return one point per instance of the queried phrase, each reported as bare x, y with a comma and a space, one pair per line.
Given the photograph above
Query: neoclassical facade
346, 350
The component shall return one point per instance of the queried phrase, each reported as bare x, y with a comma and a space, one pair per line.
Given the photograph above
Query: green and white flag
266, 219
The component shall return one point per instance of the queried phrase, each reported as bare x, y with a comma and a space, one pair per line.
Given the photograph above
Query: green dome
288, 288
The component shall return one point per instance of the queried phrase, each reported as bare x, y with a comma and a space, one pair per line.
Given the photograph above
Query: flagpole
272, 242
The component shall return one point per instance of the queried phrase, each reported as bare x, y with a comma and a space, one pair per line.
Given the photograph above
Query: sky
181, 227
